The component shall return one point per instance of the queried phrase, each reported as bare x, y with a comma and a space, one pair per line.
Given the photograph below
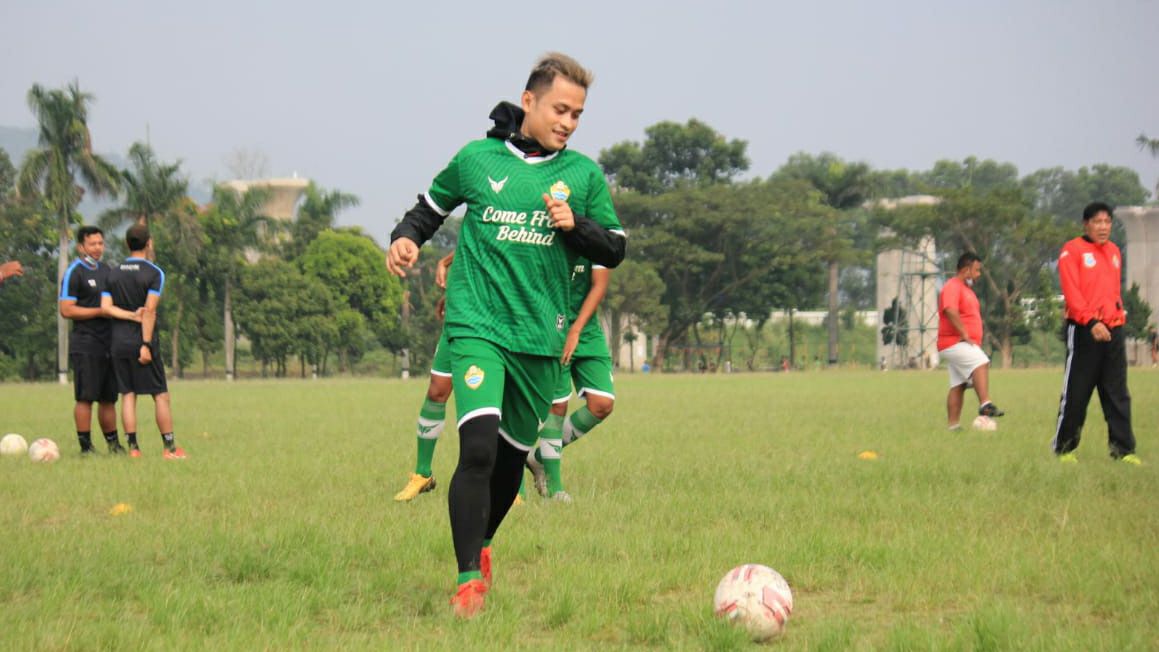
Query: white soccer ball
44, 450
754, 597
12, 445
983, 422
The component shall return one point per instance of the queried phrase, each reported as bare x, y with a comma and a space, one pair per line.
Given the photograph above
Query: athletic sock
131, 437
85, 437
167, 438
579, 424
548, 453
470, 575
114, 442
432, 417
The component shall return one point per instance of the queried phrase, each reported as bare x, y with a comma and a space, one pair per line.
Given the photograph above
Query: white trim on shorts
961, 361
510, 440
589, 390
478, 413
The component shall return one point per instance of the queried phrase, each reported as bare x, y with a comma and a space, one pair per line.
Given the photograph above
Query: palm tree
232, 224
843, 187
65, 153
315, 214
152, 189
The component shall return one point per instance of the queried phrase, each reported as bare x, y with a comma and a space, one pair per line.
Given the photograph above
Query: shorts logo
560, 191
1088, 259
559, 322
474, 377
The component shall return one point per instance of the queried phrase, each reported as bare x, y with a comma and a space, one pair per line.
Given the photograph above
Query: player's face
553, 116
975, 271
1098, 228
93, 246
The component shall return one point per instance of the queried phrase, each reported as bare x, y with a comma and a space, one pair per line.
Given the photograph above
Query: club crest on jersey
497, 186
560, 191
474, 377
1088, 259
93, 281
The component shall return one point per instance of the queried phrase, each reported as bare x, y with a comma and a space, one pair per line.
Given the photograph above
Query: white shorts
962, 359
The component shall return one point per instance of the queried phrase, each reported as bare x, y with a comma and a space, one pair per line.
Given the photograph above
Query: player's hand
569, 345
442, 269
139, 315
441, 308
10, 269
401, 256
561, 216
1100, 332
146, 355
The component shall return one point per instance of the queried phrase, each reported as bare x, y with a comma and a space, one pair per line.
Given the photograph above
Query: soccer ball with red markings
44, 450
755, 597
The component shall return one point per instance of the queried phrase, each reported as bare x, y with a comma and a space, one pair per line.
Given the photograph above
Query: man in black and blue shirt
88, 347
136, 285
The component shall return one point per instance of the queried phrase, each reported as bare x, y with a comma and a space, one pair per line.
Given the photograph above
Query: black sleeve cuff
594, 242
419, 223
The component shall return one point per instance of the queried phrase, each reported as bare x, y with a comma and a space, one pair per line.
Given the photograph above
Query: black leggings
483, 487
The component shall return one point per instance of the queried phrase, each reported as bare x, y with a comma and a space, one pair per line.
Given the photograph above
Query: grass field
280, 533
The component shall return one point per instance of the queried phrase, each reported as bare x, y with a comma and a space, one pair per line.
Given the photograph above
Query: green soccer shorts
589, 375
488, 379
441, 364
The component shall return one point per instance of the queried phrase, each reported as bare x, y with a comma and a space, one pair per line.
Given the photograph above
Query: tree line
711, 244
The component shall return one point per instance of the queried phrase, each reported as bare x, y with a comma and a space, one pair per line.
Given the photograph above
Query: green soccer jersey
592, 343
509, 282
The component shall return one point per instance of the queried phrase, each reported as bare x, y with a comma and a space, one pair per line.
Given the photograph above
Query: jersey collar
529, 159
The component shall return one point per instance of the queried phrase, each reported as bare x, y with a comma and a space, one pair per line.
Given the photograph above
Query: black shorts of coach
136, 378
93, 378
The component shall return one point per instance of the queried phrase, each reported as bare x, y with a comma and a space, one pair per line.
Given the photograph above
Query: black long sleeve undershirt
594, 242
419, 223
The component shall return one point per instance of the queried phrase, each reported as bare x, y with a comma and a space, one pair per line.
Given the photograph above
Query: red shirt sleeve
951, 296
1078, 307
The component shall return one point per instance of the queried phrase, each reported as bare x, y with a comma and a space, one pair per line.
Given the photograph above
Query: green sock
432, 416
470, 575
548, 452
579, 424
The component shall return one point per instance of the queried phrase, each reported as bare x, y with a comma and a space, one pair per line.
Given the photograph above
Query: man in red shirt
1090, 269
960, 341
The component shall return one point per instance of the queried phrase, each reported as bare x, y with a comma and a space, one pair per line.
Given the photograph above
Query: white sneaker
561, 496
537, 473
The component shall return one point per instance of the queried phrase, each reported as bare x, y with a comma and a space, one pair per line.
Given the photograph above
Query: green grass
280, 533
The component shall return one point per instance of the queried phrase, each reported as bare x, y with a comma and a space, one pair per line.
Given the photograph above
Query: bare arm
110, 310
442, 269
955, 318
69, 310
600, 279
148, 322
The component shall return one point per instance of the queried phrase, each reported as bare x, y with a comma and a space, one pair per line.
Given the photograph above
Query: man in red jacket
1090, 269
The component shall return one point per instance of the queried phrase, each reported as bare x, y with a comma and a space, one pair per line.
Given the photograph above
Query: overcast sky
374, 98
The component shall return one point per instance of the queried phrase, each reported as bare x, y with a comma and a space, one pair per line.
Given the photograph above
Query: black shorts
93, 378
136, 378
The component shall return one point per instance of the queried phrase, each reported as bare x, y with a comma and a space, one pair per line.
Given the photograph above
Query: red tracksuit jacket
1091, 286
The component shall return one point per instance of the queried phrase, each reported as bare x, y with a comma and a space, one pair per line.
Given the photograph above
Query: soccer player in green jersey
432, 415
588, 365
532, 206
